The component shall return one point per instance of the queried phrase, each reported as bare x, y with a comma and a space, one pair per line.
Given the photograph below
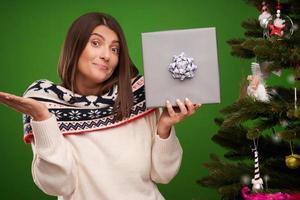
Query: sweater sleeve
166, 153
53, 165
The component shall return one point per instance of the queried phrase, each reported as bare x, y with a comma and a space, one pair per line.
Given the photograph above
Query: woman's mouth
101, 66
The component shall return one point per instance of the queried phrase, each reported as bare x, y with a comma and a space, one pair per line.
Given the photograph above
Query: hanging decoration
292, 161
257, 182
264, 16
256, 87
278, 26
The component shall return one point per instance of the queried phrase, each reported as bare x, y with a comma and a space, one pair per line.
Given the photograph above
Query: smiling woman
92, 136
98, 61
85, 41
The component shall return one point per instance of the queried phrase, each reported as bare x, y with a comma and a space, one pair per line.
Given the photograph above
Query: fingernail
186, 99
167, 101
177, 100
7, 97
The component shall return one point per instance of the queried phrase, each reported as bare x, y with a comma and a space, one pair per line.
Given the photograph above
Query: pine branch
240, 145
225, 177
235, 41
291, 133
225, 172
251, 44
231, 191
241, 52
238, 50
265, 115
252, 27
218, 121
243, 110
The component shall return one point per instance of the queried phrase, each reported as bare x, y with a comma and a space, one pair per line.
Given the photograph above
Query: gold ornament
292, 161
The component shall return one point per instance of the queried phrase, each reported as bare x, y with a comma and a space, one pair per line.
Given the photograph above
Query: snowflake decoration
75, 114
94, 114
57, 113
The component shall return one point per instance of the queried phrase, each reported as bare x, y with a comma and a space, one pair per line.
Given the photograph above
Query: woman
92, 136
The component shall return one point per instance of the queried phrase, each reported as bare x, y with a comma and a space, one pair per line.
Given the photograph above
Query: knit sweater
121, 163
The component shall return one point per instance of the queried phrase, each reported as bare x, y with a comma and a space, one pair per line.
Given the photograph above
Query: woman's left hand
170, 117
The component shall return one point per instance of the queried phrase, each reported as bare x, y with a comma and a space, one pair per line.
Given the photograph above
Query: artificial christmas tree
261, 130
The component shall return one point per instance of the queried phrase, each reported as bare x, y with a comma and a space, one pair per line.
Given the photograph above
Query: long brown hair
75, 42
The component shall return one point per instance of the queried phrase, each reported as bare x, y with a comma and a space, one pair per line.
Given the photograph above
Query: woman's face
99, 58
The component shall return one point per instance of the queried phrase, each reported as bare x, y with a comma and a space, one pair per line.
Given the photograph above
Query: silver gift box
159, 51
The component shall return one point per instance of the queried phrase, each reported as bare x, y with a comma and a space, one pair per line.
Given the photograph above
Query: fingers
16, 99
15, 102
170, 109
4, 96
37, 110
11, 99
13, 105
182, 107
191, 107
169, 115
185, 108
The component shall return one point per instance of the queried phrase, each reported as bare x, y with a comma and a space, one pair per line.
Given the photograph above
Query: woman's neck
86, 89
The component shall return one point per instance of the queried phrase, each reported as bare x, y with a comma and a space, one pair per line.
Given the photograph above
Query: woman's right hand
37, 110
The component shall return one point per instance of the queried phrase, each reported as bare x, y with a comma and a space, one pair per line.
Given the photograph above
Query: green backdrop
32, 33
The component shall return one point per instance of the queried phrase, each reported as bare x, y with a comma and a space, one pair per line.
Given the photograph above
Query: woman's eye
116, 50
95, 43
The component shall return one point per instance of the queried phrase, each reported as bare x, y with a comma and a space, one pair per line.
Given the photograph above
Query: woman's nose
105, 54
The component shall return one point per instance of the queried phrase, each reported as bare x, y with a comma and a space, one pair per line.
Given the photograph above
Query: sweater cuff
169, 144
46, 134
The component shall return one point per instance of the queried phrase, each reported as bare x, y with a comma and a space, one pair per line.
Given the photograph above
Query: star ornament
277, 28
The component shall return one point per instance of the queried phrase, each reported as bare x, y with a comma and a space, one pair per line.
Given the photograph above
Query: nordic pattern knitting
77, 114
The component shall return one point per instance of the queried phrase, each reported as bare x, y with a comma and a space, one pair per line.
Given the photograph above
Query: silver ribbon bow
182, 67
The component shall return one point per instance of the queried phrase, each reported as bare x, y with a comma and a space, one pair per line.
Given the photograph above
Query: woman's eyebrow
99, 35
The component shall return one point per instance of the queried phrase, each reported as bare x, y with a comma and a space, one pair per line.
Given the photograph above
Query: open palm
37, 110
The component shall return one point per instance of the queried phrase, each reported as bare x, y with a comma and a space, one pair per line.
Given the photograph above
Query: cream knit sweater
115, 164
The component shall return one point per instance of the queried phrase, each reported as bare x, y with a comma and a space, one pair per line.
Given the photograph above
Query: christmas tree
261, 130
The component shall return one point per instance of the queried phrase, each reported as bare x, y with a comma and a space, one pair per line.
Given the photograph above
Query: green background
31, 36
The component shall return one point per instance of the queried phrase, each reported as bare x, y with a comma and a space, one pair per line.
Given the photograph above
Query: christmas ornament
256, 88
292, 161
263, 17
257, 182
182, 67
279, 26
